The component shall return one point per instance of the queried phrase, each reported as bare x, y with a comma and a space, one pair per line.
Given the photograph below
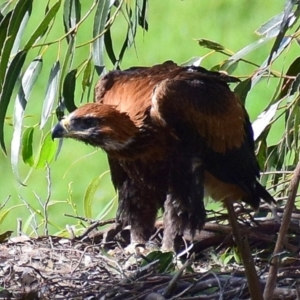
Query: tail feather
264, 194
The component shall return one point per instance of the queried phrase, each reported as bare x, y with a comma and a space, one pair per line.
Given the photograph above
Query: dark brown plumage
172, 134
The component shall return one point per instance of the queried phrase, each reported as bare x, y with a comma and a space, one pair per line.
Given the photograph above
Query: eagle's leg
184, 207
254, 285
137, 209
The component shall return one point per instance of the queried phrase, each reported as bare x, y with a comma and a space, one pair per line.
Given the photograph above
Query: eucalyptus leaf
142, 7
264, 119
20, 10
10, 79
42, 27
20, 33
28, 80
243, 88
272, 27
102, 11
265, 65
72, 10
51, 93
205, 43
284, 26
243, 52
109, 47
27, 148
89, 196
46, 153
293, 70
69, 91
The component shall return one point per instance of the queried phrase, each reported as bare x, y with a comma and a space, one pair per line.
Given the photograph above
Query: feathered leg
184, 207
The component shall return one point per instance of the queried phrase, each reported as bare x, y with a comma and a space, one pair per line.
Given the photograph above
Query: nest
84, 268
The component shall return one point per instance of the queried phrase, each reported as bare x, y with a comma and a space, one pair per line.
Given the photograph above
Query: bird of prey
172, 135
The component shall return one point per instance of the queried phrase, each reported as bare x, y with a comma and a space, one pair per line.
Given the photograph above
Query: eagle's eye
89, 122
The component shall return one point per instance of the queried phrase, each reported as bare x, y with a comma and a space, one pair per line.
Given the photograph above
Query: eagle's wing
207, 116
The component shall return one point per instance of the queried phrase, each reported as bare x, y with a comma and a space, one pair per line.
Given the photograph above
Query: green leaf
293, 70
243, 88
89, 195
109, 47
86, 79
69, 91
72, 9
3, 29
5, 7
210, 45
67, 63
42, 27
51, 92
265, 65
243, 52
272, 27
27, 150
284, 26
7, 89
264, 119
19, 36
142, 7
4, 212
194, 61
165, 261
21, 8
102, 11
46, 153
28, 80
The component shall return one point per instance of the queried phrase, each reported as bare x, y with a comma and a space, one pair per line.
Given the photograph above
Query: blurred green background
174, 26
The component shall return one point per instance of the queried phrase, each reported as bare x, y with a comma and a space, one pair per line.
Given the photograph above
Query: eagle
173, 135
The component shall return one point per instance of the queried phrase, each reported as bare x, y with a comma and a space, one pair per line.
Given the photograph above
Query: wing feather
205, 104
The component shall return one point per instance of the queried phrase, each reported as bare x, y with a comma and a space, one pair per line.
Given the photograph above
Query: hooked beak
60, 129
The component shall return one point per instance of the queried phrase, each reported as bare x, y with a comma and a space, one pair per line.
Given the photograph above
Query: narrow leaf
243, 52
100, 19
265, 65
293, 70
50, 93
42, 27
21, 8
28, 80
72, 9
69, 91
109, 47
20, 33
89, 195
7, 89
90, 192
5, 7
86, 79
142, 6
264, 119
243, 88
3, 29
46, 153
27, 149
210, 45
284, 26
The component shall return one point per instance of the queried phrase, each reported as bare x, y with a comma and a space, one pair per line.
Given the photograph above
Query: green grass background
174, 26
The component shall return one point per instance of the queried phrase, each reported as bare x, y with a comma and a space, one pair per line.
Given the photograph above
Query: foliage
79, 53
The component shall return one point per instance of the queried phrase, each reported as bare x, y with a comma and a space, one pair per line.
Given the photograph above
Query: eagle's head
99, 125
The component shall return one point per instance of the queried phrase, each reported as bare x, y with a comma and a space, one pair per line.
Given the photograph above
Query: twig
244, 249
271, 282
45, 205
95, 225
172, 285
